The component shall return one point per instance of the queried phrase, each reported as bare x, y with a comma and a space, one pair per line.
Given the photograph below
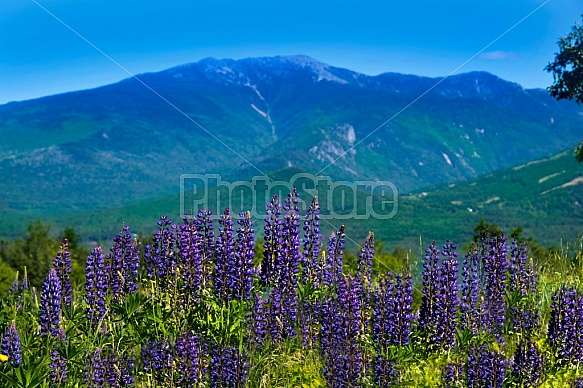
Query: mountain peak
239, 69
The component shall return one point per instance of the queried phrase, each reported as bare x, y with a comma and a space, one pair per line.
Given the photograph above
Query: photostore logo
337, 200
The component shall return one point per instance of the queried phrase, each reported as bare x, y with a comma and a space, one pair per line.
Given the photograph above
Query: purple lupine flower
287, 267
402, 310
228, 367
157, 359
392, 311
334, 258
190, 261
10, 346
495, 267
50, 305
244, 258
160, 257
275, 325
522, 285
24, 286
429, 315
565, 330
118, 370
438, 312
577, 383
62, 264
259, 321
311, 265
384, 371
225, 278
188, 354
126, 377
485, 368
58, 369
448, 300
272, 245
353, 329
96, 371
431, 277
470, 292
123, 262
365, 261
204, 226
96, 284
452, 376
343, 360
528, 364
14, 288
382, 322
364, 274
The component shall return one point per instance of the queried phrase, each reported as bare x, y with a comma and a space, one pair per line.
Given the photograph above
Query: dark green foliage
567, 70
37, 250
567, 67
485, 230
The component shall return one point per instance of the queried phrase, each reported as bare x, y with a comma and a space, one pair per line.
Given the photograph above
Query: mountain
129, 142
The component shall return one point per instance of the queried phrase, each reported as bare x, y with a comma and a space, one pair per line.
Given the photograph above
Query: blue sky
40, 56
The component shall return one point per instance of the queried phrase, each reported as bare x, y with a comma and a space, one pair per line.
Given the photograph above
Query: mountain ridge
120, 142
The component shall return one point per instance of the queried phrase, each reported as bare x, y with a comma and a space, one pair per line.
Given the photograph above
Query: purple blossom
495, 265
452, 376
204, 226
11, 345
439, 304
14, 288
448, 300
161, 257
343, 360
365, 261
565, 330
58, 369
428, 314
259, 321
157, 359
188, 356
63, 267
50, 305
485, 368
470, 292
527, 366
287, 267
225, 276
119, 371
244, 258
107, 369
96, 285
334, 258
24, 286
312, 267
522, 286
123, 263
273, 242
385, 372
392, 311
96, 370
276, 327
190, 261
229, 368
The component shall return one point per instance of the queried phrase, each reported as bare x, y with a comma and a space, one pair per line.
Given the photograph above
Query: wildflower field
196, 308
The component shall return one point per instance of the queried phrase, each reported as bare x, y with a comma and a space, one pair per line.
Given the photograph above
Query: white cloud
497, 55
